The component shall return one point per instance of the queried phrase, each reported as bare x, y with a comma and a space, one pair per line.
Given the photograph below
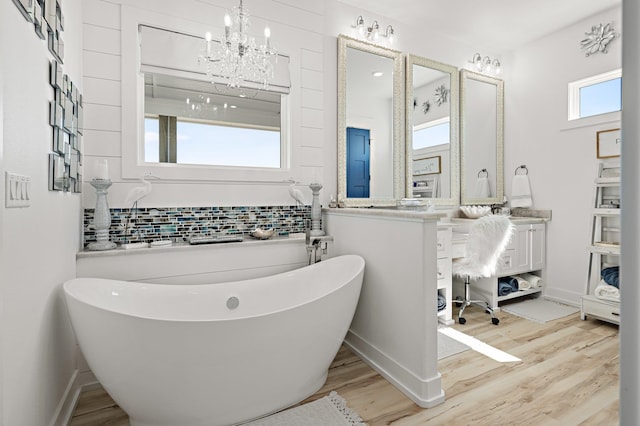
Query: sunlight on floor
479, 346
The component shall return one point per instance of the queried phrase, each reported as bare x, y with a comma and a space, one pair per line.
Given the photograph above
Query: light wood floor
569, 375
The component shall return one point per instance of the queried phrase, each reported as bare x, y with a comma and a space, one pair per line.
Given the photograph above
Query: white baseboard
562, 296
563, 301
80, 381
67, 404
425, 393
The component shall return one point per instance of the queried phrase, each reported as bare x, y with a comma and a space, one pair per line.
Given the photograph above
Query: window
206, 143
595, 95
432, 133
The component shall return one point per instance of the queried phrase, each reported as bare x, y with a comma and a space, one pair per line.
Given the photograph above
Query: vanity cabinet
443, 274
525, 253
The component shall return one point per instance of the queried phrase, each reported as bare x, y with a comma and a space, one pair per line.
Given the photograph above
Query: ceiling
501, 24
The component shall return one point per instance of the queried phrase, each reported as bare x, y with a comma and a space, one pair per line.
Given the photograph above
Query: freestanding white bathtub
187, 355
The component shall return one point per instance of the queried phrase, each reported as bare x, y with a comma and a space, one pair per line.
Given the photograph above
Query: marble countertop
515, 219
392, 212
119, 251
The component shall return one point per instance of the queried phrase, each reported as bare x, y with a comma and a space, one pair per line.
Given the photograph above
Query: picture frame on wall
608, 143
427, 165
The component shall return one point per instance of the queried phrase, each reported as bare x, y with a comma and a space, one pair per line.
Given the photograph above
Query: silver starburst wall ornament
598, 39
441, 95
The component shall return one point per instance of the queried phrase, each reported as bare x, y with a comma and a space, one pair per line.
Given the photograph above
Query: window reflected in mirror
200, 123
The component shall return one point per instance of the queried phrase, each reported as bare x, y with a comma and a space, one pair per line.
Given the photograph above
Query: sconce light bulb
208, 100
207, 36
267, 32
375, 30
227, 20
486, 64
360, 25
497, 67
390, 34
188, 101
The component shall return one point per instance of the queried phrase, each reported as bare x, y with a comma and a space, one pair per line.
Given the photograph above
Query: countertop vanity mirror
481, 138
432, 150
370, 130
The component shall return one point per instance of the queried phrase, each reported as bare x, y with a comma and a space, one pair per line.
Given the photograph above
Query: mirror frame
345, 42
466, 75
454, 122
132, 114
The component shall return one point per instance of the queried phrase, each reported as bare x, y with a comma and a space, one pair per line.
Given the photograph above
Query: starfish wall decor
598, 39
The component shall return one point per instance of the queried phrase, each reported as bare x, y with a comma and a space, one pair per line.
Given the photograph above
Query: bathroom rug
332, 410
539, 310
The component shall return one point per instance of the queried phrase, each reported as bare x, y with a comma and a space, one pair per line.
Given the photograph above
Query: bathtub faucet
316, 247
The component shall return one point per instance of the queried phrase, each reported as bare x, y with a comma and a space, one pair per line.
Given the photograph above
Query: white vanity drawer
443, 243
609, 311
443, 272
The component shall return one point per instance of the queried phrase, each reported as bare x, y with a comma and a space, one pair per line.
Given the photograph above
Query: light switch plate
17, 190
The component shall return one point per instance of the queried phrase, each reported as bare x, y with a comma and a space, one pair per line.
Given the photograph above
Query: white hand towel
483, 190
521, 191
534, 280
522, 283
607, 292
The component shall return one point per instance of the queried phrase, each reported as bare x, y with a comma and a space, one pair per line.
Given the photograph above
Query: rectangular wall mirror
370, 117
481, 138
179, 123
432, 149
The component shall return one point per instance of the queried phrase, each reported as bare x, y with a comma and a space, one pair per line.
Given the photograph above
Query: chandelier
237, 58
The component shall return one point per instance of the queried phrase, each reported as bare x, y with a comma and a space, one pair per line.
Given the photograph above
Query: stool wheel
495, 321
461, 320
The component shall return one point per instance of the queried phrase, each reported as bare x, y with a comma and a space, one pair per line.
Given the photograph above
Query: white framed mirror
481, 139
432, 138
174, 121
370, 130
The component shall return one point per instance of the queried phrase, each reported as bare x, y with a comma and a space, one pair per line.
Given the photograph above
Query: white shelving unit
604, 249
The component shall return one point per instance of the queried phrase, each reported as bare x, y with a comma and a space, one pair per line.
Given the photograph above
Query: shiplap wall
297, 28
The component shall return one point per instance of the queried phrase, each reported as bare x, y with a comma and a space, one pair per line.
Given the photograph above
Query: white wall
39, 242
561, 159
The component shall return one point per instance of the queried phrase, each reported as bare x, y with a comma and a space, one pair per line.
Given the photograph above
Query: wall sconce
486, 64
372, 32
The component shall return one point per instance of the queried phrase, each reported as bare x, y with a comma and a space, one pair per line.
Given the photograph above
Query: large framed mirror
370, 129
432, 139
481, 139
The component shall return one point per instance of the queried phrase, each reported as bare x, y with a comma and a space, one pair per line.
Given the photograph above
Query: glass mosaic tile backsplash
180, 223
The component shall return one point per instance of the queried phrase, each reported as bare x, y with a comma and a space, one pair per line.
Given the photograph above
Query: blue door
357, 163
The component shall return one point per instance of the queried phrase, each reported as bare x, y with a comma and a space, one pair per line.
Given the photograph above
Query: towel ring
483, 171
526, 171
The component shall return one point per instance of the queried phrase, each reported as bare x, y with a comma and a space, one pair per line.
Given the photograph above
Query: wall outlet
17, 190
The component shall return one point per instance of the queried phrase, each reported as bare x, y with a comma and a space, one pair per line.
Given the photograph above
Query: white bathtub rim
69, 294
